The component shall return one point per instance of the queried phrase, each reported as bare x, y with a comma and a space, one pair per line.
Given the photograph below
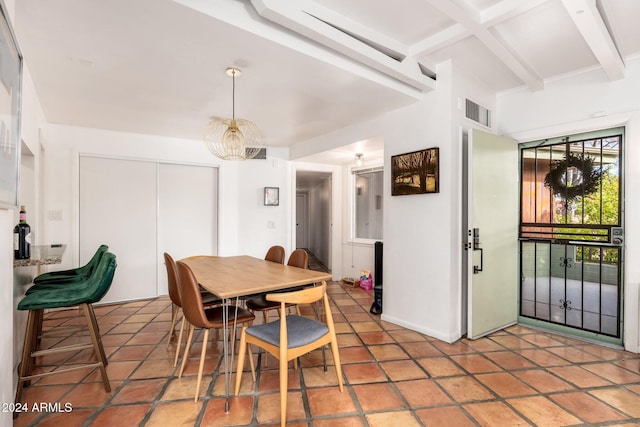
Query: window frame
376, 167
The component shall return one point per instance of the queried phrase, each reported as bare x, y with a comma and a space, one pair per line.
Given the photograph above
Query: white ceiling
308, 67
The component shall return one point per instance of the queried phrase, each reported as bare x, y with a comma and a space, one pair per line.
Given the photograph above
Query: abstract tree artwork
416, 172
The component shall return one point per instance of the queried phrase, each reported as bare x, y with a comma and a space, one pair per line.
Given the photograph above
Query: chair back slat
305, 296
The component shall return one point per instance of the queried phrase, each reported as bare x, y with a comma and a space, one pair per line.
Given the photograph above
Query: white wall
259, 226
242, 219
7, 310
585, 102
13, 321
419, 282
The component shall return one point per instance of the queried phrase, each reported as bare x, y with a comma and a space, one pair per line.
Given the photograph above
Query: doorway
571, 234
313, 215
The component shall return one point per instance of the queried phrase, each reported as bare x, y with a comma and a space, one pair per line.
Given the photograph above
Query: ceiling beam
587, 18
506, 10
245, 17
290, 16
344, 23
471, 21
450, 35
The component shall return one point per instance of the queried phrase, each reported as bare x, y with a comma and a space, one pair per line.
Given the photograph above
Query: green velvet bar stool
83, 295
66, 277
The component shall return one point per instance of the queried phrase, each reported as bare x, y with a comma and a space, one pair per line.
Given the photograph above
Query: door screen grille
570, 231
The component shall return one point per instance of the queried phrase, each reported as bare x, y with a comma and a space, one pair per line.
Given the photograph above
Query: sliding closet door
188, 214
118, 207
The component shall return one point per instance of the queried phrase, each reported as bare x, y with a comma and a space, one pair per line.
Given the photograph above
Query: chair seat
300, 331
87, 292
208, 298
260, 303
214, 316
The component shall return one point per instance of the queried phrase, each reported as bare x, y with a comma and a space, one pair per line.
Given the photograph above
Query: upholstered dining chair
275, 254
291, 336
208, 299
199, 317
298, 258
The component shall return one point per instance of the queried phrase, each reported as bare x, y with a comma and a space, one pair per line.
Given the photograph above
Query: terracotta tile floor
393, 376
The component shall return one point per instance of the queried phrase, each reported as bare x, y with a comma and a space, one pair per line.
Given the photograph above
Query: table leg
225, 349
225, 346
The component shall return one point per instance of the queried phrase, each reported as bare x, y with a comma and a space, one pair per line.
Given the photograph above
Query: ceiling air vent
262, 154
477, 113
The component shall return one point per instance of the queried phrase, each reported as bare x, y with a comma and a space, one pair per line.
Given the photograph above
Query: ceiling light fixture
359, 159
233, 139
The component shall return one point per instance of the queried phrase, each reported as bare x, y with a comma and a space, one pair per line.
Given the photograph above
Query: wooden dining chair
290, 337
208, 299
298, 258
199, 317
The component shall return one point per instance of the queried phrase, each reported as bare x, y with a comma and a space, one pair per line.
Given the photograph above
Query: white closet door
118, 207
188, 208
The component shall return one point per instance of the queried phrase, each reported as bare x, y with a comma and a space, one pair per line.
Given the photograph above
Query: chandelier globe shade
232, 138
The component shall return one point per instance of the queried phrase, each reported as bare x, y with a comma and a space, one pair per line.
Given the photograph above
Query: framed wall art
10, 105
271, 196
417, 172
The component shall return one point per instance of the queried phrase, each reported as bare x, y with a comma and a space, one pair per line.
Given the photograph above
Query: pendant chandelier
233, 139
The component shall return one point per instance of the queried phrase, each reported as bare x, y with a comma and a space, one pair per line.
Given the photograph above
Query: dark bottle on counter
22, 237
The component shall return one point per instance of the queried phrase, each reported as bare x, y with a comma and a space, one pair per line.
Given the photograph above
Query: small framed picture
271, 196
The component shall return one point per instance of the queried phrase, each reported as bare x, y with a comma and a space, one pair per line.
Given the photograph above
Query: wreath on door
574, 176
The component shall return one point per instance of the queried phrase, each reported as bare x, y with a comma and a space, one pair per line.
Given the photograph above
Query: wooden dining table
233, 277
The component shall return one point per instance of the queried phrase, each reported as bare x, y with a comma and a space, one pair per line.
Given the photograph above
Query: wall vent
262, 154
477, 113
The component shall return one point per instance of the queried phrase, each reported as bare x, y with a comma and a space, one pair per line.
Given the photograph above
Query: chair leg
97, 346
253, 366
241, 351
174, 318
205, 340
94, 323
175, 361
265, 316
284, 388
336, 360
36, 330
30, 341
185, 356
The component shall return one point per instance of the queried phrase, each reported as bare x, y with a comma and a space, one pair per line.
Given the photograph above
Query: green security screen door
492, 245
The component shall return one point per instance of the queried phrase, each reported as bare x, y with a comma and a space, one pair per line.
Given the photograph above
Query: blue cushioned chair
82, 294
290, 337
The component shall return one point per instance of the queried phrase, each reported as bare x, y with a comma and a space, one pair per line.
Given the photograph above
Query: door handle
476, 247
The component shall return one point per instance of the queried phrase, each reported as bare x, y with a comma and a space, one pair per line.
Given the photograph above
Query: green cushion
80, 273
80, 280
87, 292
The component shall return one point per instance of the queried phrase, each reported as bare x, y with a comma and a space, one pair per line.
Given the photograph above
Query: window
368, 206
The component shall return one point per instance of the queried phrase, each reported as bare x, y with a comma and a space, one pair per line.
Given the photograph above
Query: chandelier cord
233, 95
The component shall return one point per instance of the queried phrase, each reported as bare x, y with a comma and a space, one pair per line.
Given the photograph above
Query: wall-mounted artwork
10, 83
271, 196
417, 172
